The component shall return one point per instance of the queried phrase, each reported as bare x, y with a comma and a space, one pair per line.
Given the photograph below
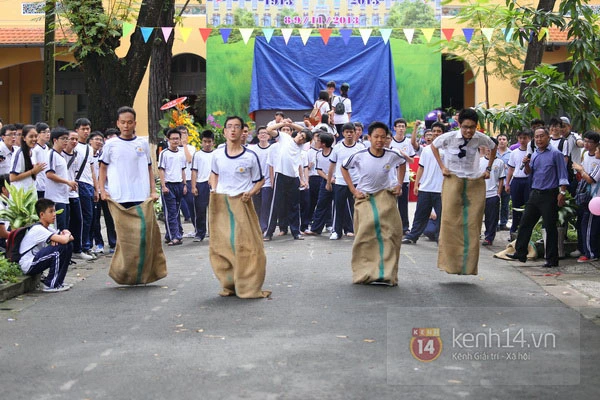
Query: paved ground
317, 337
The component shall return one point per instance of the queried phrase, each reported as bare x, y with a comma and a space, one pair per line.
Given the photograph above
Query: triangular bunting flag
325, 34
468, 32
508, 34
246, 33
365, 34
346, 33
268, 32
385, 34
287, 33
184, 33
225, 32
428, 33
409, 33
305, 34
205, 33
127, 28
146, 32
166, 32
448, 33
488, 32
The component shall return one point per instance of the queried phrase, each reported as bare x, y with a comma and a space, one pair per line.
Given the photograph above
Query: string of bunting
325, 33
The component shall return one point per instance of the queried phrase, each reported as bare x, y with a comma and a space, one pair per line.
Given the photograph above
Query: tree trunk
110, 81
535, 49
48, 86
160, 71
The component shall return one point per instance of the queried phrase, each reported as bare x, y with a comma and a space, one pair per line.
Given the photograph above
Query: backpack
315, 115
13, 243
340, 108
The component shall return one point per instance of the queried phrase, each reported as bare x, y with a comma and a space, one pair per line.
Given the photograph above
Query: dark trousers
519, 194
171, 207
262, 206
96, 228
285, 204
86, 201
541, 203
304, 209
56, 260
426, 202
111, 233
314, 185
492, 208
504, 206
200, 208
403, 206
62, 219
322, 212
588, 234
343, 215
187, 205
76, 224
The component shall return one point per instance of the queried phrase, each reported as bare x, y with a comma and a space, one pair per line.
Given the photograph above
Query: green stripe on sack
231, 226
142, 253
465, 200
378, 234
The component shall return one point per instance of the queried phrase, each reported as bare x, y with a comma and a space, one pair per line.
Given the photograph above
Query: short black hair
359, 125
57, 133
172, 131
556, 122
126, 109
4, 179
94, 134
536, 121
468, 113
593, 136
111, 132
524, 132
378, 125
41, 126
331, 84
234, 117
207, 134
82, 122
308, 135
502, 134
439, 125
7, 127
348, 126
42, 205
279, 113
400, 121
326, 138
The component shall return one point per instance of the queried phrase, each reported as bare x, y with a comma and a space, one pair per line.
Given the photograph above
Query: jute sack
378, 230
236, 249
138, 257
463, 205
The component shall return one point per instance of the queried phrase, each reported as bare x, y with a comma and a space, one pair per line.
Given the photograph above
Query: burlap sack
463, 204
378, 230
236, 249
510, 249
138, 257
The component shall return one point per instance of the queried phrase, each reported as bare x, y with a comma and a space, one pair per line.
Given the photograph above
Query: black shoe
407, 241
298, 237
517, 257
550, 265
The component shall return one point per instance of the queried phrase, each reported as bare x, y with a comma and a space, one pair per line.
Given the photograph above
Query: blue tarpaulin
289, 77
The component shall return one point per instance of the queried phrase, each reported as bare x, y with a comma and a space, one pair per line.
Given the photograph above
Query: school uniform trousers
343, 215
56, 260
200, 207
171, 208
285, 204
322, 214
519, 194
425, 202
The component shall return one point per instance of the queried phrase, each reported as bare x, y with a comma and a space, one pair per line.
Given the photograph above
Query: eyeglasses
233, 126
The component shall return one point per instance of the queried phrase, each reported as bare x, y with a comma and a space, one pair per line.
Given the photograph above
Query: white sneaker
61, 288
330, 229
190, 235
82, 256
334, 236
98, 249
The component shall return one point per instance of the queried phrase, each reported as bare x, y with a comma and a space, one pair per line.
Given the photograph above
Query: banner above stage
290, 76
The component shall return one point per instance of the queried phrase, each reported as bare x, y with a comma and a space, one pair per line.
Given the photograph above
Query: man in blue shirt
549, 182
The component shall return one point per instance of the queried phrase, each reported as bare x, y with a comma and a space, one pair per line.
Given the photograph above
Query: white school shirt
338, 155
432, 177
5, 158
312, 159
341, 118
127, 162
468, 166
72, 170
289, 157
86, 174
373, 172
405, 146
237, 174
18, 167
263, 157
496, 174
591, 165
556, 143
322, 161
202, 164
41, 154
34, 240
516, 161
173, 163
57, 192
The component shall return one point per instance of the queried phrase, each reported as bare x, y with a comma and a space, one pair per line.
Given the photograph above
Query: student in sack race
588, 225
